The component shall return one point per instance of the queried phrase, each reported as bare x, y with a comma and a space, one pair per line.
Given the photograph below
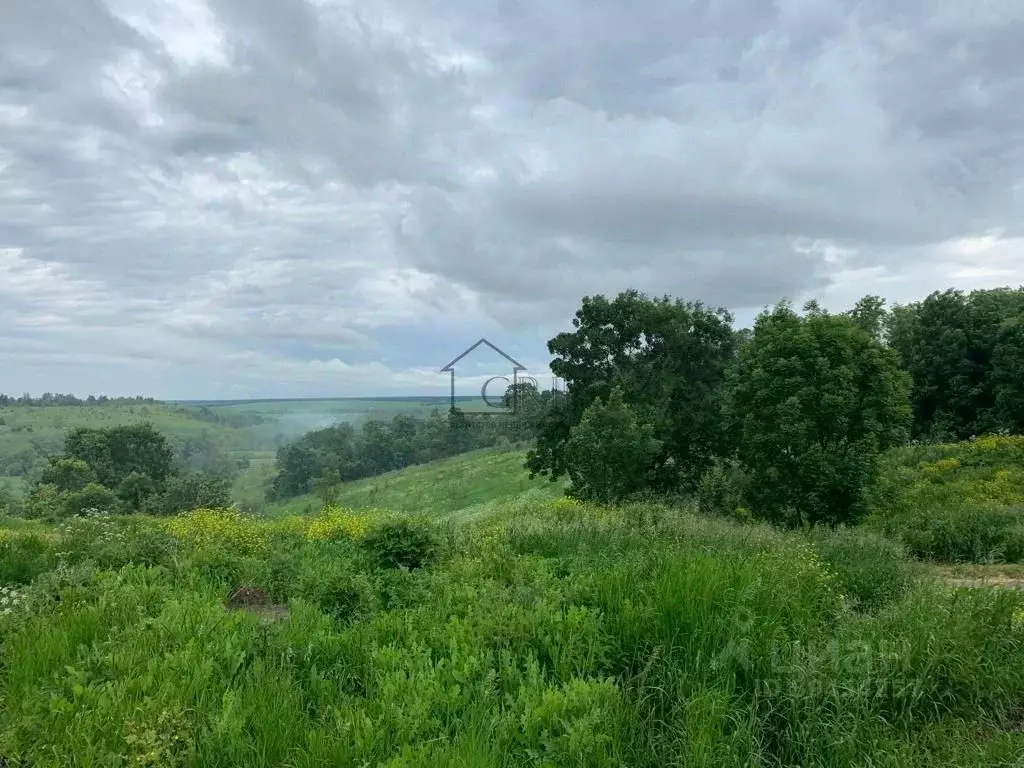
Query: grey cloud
298, 182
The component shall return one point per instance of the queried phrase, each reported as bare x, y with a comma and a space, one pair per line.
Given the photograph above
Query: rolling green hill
239, 429
457, 488
28, 434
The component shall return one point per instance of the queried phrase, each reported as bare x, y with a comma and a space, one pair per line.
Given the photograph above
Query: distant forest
51, 398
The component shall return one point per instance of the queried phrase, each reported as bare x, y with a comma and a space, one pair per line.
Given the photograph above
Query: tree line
787, 418
50, 398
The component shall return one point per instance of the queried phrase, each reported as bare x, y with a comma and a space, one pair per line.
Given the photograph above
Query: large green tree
812, 402
116, 452
669, 358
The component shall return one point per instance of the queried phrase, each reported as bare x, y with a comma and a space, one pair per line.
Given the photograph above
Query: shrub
46, 501
872, 570
336, 588
610, 451
722, 489
195, 490
402, 544
93, 496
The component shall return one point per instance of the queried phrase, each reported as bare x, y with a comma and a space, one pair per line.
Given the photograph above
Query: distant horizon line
395, 398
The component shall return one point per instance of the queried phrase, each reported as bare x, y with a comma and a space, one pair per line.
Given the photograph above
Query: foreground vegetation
548, 633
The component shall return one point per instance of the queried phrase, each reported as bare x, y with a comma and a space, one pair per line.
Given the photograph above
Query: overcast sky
241, 198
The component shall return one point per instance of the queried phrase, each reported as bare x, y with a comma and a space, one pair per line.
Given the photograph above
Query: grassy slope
455, 488
959, 502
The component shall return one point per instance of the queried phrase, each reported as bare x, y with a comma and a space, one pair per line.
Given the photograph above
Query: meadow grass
456, 487
542, 633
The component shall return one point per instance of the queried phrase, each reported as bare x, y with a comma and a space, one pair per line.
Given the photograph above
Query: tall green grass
539, 634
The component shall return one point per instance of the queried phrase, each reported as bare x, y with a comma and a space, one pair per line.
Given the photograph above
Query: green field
536, 632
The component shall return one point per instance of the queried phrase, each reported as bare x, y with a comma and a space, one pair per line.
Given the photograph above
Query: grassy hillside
547, 634
28, 433
249, 430
455, 488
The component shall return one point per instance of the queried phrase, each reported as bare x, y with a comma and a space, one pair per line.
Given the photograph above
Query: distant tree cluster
49, 398
120, 469
324, 458
221, 417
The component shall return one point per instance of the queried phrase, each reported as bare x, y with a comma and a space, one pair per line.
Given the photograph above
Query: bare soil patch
258, 602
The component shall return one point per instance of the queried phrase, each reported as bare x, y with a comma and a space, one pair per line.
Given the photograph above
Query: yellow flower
221, 526
335, 523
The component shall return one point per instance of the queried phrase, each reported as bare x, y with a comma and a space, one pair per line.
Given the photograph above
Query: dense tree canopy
669, 359
121, 469
812, 402
961, 351
116, 452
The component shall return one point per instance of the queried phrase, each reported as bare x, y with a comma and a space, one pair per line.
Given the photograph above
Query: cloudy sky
238, 198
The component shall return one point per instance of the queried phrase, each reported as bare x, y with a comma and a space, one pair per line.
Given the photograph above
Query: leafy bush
195, 490
872, 570
610, 451
337, 588
93, 496
401, 544
722, 490
45, 502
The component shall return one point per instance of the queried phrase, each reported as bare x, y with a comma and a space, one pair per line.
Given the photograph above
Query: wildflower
10, 598
335, 523
221, 526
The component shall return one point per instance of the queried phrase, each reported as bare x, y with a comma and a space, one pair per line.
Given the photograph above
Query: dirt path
1001, 576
